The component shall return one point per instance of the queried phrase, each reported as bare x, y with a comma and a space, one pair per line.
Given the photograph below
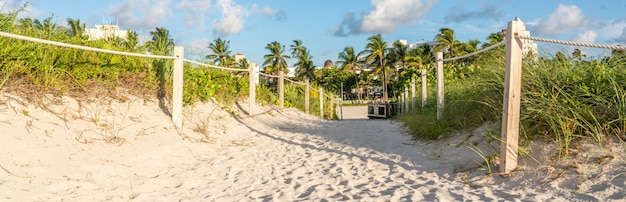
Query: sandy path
275, 156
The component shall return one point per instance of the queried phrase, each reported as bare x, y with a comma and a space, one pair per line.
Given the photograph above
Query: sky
326, 27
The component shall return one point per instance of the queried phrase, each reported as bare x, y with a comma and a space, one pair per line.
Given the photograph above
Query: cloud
14, 5
266, 11
488, 11
195, 11
198, 47
588, 36
142, 13
563, 19
385, 18
232, 18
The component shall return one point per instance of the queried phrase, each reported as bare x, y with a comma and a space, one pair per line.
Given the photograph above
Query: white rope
15, 36
477, 52
268, 75
571, 43
292, 81
216, 67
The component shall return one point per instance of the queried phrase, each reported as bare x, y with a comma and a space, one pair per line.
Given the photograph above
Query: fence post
322, 102
330, 106
406, 99
413, 97
177, 87
252, 90
306, 96
440, 99
424, 87
281, 90
512, 96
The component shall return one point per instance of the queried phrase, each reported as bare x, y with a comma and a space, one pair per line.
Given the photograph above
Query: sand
128, 150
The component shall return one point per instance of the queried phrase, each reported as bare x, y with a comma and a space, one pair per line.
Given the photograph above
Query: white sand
114, 151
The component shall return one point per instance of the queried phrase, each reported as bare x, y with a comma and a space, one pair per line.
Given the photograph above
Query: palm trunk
384, 81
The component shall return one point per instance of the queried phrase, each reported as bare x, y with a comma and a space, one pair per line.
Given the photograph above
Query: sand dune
115, 150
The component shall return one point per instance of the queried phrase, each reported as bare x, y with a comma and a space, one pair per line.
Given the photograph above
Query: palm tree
297, 48
131, 41
493, 38
161, 42
221, 54
47, 28
397, 55
349, 60
275, 61
77, 29
304, 67
446, 41
376, 51
577, 54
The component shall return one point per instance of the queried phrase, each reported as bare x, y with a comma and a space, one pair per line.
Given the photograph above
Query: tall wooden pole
512, 97
177, 94
440, 99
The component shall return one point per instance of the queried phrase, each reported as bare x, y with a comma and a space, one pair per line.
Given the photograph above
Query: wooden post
413, 96
440, 99
512, 97
406, 99
306, 96
281, 90
252, 90
177, 94
424, 87
330, 107
321, 102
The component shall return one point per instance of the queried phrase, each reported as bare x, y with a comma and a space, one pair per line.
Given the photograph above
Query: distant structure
106, 32
238, 57
328, 64
528, 45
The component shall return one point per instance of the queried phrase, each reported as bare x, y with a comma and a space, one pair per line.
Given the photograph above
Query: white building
105, 32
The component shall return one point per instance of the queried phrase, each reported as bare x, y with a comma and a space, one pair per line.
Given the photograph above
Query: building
105, 32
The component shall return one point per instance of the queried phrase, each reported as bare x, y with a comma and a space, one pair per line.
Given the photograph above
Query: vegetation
563, 98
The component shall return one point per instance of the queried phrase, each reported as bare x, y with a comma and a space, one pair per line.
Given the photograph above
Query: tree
297, 48
46, 28
376, 51
493, 38
396, 56
349, 60
577, 54
447, 42
304, 67
221, 54
161, 42
76, 28
275, 61
131, 41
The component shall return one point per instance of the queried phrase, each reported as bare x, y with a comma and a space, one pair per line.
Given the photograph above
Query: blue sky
327, 26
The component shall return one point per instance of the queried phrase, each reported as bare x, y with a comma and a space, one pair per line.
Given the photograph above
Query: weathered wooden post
512, 97
424, 87
440, 99
306, 96
177, 94
322, 102
252, 90
281, 90
406, 100
413, 96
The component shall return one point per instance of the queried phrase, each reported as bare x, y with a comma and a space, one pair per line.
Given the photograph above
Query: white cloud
389, 14
266, 11
588, 36
232, 18
142, 13
195, 11
14, 5
564, 19
198, 47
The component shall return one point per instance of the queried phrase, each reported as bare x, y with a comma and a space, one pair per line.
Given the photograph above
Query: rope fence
572, 43
36, 40
214, 66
